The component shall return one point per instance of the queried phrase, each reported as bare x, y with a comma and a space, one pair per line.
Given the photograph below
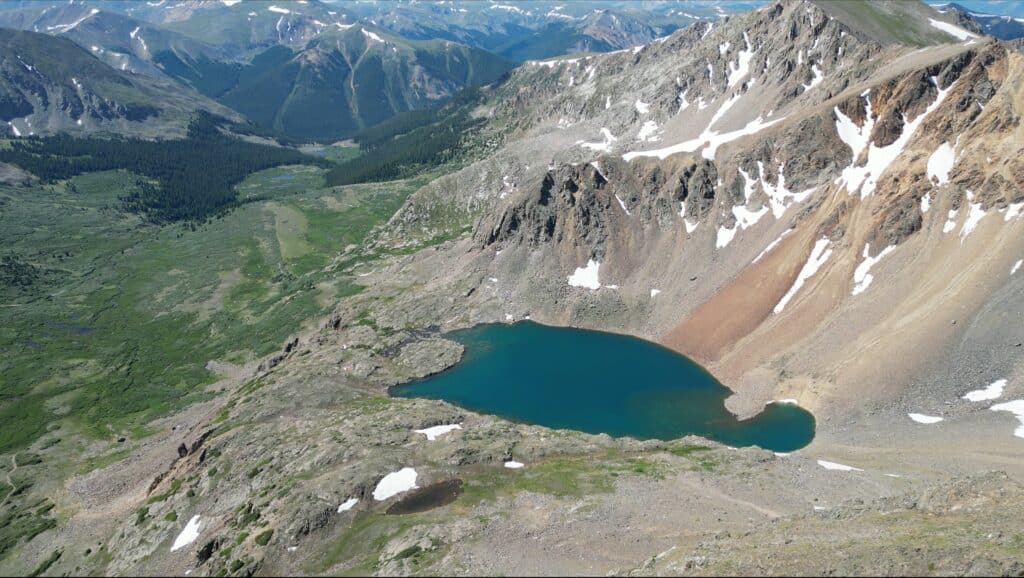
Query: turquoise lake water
599, 382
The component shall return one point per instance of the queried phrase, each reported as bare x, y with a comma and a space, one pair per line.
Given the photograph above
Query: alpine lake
597, 382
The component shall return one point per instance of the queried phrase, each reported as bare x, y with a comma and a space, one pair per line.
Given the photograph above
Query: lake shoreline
567, 365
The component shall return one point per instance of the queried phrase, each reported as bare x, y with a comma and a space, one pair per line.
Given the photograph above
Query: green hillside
342, 82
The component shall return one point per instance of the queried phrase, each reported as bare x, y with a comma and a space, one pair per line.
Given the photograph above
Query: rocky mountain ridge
50, 84
726, 166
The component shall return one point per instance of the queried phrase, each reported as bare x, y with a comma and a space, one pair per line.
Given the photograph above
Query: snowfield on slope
586, 277
952, 29
941, 163
437, 431
395, 483
1015, 407
925, 419
712, 138
862, 277
187, 535
838, 467
821, 252
865, 178
993, 391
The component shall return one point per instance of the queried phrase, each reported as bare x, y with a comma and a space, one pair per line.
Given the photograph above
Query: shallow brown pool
428, 498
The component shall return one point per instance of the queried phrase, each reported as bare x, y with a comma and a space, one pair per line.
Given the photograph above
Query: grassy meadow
107, 322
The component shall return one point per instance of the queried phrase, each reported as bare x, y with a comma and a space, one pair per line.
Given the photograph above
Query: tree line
195, 176
412, 141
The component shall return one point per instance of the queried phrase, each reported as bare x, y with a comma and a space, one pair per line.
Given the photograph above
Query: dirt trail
716, 494
14, 468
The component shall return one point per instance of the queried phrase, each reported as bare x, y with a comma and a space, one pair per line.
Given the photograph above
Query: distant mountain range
327, 70
1002, 26
50, 84
346, 80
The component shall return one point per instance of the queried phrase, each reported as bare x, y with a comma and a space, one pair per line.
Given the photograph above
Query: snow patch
514, 465
940, 163
722, 110
690, 227
395, 483
1013, 211
437, 431
348, 505
508, 8
279, 10
604, 146
952, 29
925, 419
742, 67
648, 132
862, 277
555, 14
747, 218
725, 237
711, 138
622, 204
855, 137
950, 223
821, 252
642, 107
551, 64
994, 390
816, 80
586, 277
68, 27
683, 103
188, 535
771, 245
372, 36
838, 467
779, 197
865, 178
974, 216
1015, 407
654, 293
1016, 266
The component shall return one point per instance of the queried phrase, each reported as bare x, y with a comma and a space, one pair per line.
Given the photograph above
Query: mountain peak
908, 22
